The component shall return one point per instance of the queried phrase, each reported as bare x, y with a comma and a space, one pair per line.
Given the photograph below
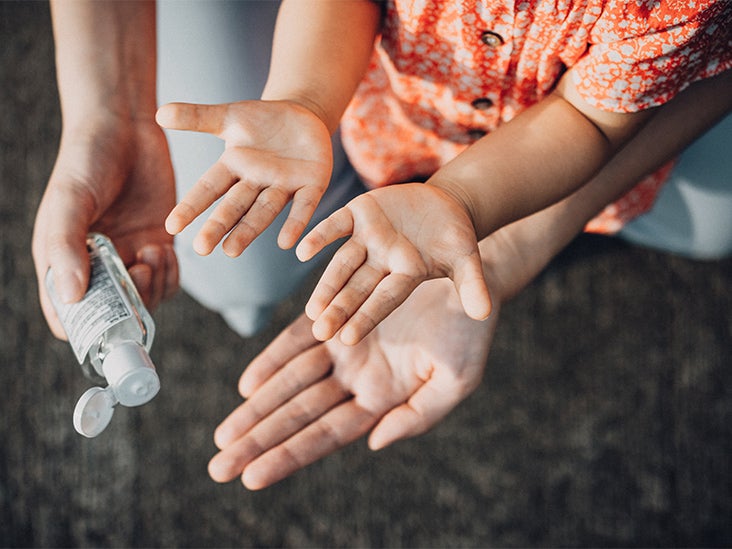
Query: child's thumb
471, 287
192, 117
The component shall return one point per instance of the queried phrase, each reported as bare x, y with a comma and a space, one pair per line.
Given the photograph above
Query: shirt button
491, 39
482, 103
476, 134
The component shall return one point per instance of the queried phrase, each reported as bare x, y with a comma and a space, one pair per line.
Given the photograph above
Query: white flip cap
94, 411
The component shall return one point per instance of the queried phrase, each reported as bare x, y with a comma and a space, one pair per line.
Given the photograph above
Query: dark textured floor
605, 417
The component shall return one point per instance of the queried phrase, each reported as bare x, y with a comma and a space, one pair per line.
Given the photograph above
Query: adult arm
112, 173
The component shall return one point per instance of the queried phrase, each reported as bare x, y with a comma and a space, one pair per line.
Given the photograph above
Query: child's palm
401, 236
275, 152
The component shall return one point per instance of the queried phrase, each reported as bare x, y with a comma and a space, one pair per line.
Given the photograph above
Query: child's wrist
456, 194
303, 101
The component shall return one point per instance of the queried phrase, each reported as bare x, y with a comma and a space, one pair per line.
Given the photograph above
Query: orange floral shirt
446, 72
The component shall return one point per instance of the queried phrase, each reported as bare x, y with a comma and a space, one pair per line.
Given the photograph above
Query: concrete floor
605, 417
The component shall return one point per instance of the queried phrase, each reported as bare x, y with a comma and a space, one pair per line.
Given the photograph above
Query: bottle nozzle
131, 374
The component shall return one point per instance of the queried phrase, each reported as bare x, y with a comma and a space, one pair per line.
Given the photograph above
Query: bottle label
103, 306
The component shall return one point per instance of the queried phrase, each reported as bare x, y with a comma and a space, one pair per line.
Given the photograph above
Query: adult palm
116, 178
306, 399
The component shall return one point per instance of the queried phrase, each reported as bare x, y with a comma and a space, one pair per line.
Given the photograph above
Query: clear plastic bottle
111, 333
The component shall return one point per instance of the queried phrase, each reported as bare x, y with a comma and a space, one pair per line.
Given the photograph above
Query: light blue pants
212, 52
692, 216
216, 52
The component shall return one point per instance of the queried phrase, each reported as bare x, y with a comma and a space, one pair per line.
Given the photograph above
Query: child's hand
275, 152
402, 235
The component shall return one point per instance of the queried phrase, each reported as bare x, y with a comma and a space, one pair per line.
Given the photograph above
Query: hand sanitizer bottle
111, 333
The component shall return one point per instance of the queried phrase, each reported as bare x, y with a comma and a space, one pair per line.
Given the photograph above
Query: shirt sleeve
642, 53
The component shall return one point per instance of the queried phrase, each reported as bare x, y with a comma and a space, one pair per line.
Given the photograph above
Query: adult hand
306, 399
114, 177
276, 151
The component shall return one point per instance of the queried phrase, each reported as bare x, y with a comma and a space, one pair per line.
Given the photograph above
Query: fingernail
245, 388
222, 438
150, 256
349, 336
200, 246
300, 254
69, 287
171, 226
376, 444
321, 332
217, 468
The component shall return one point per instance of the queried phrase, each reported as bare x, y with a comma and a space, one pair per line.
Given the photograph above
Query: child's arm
278, 150
399, 241
537, 239
405, 234
539, 157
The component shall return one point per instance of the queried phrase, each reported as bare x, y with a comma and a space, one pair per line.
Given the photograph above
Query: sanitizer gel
111, 333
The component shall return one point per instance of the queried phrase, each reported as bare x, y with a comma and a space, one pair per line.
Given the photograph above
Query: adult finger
142, 277
162, 264
342, 425
287, 420
59, 244
153, 257
292, 341
425, 408
300, 373
172, 273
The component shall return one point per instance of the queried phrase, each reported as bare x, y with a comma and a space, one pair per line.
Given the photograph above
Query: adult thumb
59, 244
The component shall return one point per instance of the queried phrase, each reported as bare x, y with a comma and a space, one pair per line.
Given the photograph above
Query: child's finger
388, 295
344, 263
212, 184
335, 226
268, 205
471, 287
347, 302
192, 117
304, 204
227, 214
209, 236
